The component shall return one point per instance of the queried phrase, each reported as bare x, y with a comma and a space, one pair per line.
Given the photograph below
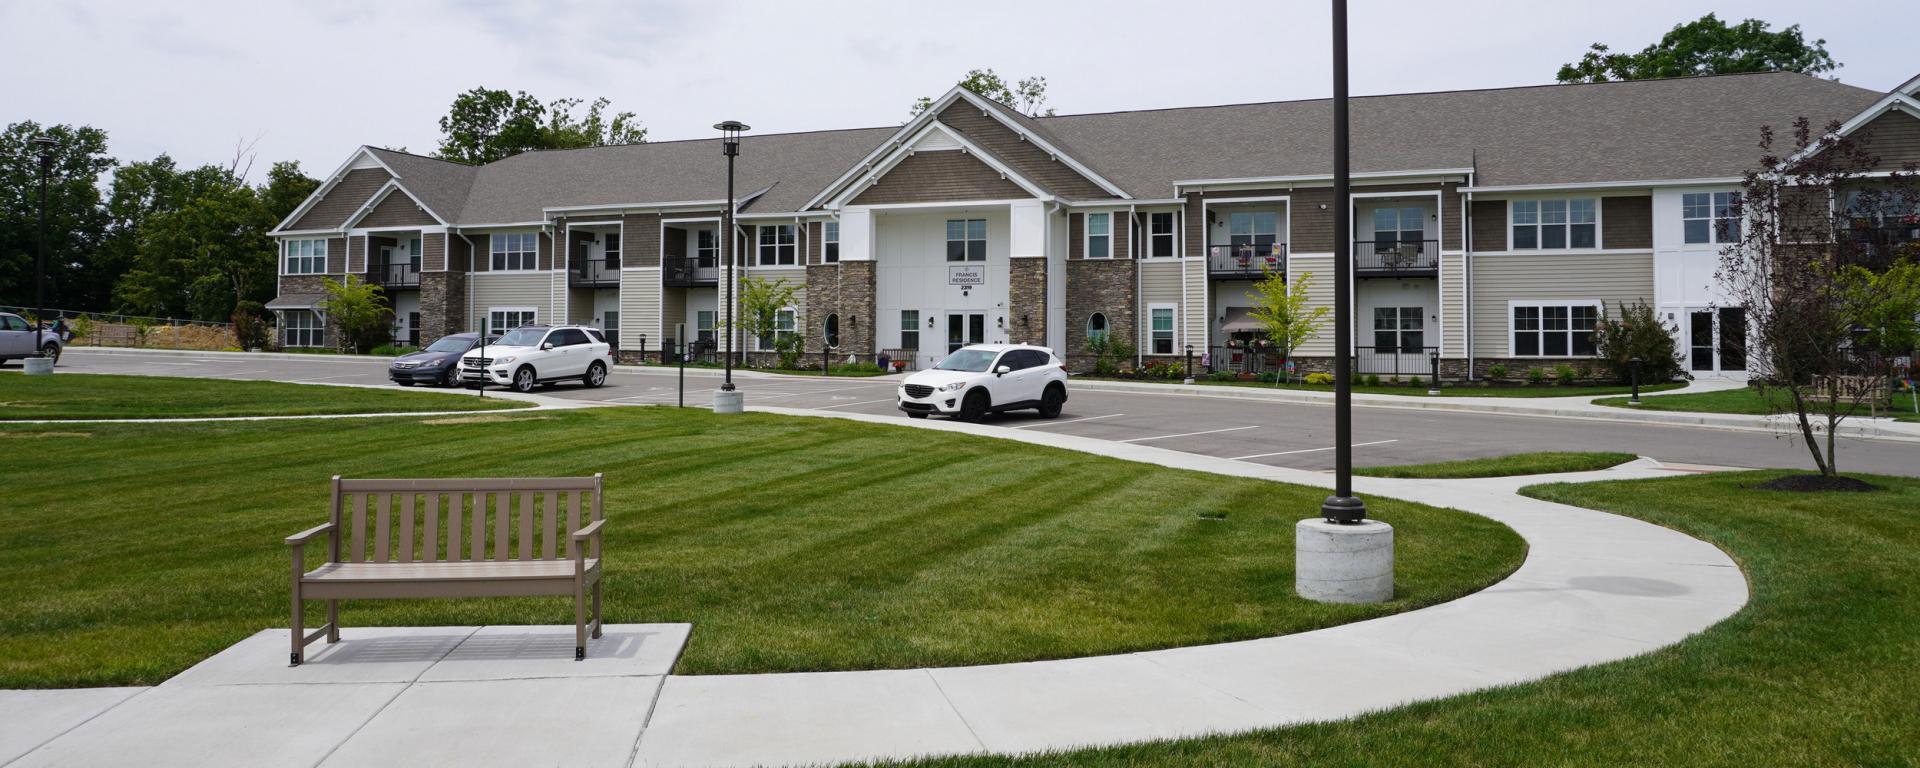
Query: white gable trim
380, 196
994, 111
354, 161
905, 150
1891, 102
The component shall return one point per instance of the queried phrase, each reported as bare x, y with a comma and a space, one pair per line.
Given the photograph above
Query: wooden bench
416, 528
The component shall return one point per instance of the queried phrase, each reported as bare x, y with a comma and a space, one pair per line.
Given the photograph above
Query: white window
777, 245
1099, 236
1161, 339
1708, 217
1553, 329
1399, 225
830, 242
1096, 326
910, 329
1160, 235
1260, 229
301, 328
1399, 329
1555, 224
306, 257
706, 249
703, 323
966, 240
517, 251
503, 319
783, 320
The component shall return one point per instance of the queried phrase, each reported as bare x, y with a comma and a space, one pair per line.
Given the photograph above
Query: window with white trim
302, 328
706, 249
1708, 217
1399, 330
1161, 236
1099, 236
830, 242
778, 245
306, 257
503, 319
1259, 229
1096, 326
515, 251
1550, 329
966, 240
703, 325
1160, 339
1556, 224
783, 323
910, 329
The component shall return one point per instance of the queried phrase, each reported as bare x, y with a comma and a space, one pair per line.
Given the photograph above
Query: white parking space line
1188, 434
1306, 450
1068, 421
845, 405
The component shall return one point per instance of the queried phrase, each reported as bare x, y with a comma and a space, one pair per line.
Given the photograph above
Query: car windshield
969, 360
451, 344
522, 337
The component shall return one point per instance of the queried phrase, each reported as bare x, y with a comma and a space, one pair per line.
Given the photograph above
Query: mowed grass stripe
68, 396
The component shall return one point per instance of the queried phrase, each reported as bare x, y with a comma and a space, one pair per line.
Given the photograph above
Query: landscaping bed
104, 396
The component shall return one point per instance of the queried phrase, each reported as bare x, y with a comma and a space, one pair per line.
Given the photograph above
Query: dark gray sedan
437, 364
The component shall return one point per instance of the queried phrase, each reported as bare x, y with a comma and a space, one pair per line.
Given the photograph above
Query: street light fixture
728, 400
45, 146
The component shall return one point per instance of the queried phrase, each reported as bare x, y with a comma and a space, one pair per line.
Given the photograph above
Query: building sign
966, 275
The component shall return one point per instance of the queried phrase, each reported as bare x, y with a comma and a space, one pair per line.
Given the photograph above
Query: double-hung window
517, 251
413, 255
1556, 224
501, 320
783, 320
1253, 233
1399, 329
1709, 217
778, 245
706, 249
1554, 330
966, 240
301, 328
830, 242
703, 325
1099, 235
1160, 235
910, 329
306, 257
1161, 339
612, 250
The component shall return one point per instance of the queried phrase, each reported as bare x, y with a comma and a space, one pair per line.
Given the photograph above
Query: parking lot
1280, 434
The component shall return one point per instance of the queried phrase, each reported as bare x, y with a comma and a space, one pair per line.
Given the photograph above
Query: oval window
833, 331
1097, 326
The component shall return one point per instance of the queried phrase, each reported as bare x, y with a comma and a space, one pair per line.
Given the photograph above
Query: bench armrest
303, 536
592, 530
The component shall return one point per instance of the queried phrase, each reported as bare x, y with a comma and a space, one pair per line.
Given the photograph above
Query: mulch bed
1816, 484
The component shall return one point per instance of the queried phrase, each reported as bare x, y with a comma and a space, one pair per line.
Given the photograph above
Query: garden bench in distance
383, 513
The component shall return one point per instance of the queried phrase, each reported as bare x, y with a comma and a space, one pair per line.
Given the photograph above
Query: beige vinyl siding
512, 290
1453, 301
1319, 294
1497, 279
640, 307
1195, 321
673, 311
1160, 281
557, 296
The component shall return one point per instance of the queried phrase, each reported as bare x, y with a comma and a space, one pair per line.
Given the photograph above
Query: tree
1824, 277
1706, 46
360, 310
75, 222
1637, 331
484, 125
192, 244
1284, 309
1028, 96
760, 303
287, 187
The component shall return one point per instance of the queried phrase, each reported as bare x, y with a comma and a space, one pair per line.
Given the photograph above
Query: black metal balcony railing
399, 274
1402, 362
583, 271
690, 272
1396, 258
1877, 248
1246, 262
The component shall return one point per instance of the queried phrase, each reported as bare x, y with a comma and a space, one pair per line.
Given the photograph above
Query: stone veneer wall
310, 284
845, 288
443, 304
1098, 285
1027, 298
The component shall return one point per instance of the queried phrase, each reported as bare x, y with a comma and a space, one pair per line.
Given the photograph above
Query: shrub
1638, 332
1267, 377
1223, 376
1497, 371
250, 325
1416, 382
1110, 353
390, 350
82, 327
1371, 380
1319, 378
1564, 374
1164, 369
1536, 376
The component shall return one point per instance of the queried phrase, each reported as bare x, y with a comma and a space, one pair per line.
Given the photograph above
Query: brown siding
1121, 226
813, 242
546, 252
929, 177
641, 246
1023, 156
397, 210
433, 252
1195, 227
1076, 226
356, 254
1312, 221
1489, 225
1894, 137
336, 256
1626, 222
459, 253
482, 252
343, 199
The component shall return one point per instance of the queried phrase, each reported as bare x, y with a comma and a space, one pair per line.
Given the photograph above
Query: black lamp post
45, 144
730, 144
1342, 507
1189, 364
1433, 365
1635, 363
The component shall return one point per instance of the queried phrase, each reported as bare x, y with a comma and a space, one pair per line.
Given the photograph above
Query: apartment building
1491, 227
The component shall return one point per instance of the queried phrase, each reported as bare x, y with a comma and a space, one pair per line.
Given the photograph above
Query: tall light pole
45, 144
1342, 507
729, 400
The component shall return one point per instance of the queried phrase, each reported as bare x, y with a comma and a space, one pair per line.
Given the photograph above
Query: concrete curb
715, 373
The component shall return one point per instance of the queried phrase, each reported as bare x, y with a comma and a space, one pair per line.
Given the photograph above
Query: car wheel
974, 408
596, 375
915, 415
524, 380
452, 377
1051, 402
52, 351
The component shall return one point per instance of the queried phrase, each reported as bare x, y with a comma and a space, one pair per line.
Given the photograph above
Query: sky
312, 80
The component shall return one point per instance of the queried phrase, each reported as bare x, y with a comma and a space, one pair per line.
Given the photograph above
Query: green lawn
98, 396
1447, 389
1541, 463
1747, 400
790, 543
1818, 669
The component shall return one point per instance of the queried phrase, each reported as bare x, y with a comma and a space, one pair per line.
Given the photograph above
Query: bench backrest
462, 519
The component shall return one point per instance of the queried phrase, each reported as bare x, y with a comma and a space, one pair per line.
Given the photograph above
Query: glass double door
1717, 340
964, 328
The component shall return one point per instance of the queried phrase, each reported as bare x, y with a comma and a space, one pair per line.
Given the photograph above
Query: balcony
594, 273
690, 272
1245, 262
395, 274
1877, 248
1396, 258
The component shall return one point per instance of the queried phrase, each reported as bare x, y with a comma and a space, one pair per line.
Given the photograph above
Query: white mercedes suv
533, 355
987, 378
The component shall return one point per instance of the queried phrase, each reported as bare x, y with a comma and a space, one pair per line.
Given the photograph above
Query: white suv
987, 378
532, 355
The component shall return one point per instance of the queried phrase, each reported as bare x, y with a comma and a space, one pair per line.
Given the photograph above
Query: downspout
471, 250
1466, 279
1139, 349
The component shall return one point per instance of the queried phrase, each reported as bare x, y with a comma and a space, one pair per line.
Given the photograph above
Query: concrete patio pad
31, 718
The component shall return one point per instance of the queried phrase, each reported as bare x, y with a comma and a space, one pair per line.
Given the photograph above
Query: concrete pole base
729, 401
37, 366
1343, 563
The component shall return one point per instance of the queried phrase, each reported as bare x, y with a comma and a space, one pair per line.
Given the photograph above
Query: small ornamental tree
760, 303
1637, 331
360, 310
1822, 272
1284, 310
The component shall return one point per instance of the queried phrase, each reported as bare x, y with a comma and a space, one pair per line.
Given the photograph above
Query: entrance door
1733, 339
964, 328
1700, 340
1717, 340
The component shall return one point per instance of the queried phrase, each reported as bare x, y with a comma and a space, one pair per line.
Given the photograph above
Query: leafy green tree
361, 312
1028, 96
1285, 310
484, 125
287, 187
197, 242
1706, 46
760, 303
75, 222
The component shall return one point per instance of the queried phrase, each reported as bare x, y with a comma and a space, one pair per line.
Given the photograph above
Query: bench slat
573, 520
382, 527
456, 502
405, 551
553, 523
430, 538
359, 549
526, 526
477, 529
502, 523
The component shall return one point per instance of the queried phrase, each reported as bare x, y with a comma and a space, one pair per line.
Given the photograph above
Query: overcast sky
312, 80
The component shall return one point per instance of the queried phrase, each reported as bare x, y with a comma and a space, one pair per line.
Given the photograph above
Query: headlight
507, 359
953, 386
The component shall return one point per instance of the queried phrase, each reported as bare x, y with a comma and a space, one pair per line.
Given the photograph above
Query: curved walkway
1595, 587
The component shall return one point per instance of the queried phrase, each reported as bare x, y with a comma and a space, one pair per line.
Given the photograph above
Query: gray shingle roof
1701, 127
